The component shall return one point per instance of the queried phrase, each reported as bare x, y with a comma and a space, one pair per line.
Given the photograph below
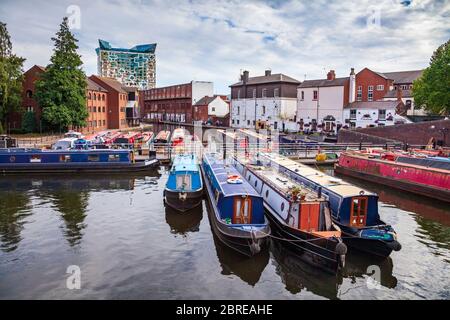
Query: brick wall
354, 136
418, 133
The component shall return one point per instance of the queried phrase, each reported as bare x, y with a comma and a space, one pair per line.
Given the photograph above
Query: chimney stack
245, 77
331, 75
352, 86
268, 73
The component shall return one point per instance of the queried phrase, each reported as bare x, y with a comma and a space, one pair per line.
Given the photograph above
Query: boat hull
321, 252
49, 168
244, 242
421, 189
183, 201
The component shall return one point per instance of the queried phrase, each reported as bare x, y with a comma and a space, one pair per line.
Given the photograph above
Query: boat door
358, 212
242, 212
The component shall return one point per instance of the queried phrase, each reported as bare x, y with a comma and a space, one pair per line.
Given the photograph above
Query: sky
214, 40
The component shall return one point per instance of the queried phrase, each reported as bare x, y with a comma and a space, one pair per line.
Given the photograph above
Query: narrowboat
300, 216
178, 136
237, 210
30, 161
162, 137
427, 176
184, 187
353, 210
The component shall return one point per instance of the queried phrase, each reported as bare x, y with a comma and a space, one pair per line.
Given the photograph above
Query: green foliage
61, 90
11, 76
1, 128
432, 90
29, 122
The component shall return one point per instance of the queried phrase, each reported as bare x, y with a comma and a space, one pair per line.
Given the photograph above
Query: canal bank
116, 230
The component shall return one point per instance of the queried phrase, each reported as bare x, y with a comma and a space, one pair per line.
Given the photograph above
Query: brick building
117, 98
213, 110
97, 104
175, 103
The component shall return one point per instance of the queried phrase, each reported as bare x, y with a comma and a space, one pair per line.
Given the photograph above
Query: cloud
213, 40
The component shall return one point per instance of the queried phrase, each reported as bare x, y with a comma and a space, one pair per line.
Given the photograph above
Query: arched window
103, 97
95, 96
89, 96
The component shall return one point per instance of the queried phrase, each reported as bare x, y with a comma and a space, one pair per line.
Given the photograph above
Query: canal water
126, 245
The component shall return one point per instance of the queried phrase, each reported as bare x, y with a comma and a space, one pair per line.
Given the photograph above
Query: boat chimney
319, 192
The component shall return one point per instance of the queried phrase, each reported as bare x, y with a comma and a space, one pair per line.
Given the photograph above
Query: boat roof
185, 162
334, 184
96, 151
221, 172
281, 182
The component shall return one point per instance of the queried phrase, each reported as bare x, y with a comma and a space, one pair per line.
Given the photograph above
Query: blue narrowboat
237, 210
20, 161
184, 187
353, 210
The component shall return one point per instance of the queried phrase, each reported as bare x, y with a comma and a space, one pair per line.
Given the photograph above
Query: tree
61, 90
432, 89
11, 76
28, 122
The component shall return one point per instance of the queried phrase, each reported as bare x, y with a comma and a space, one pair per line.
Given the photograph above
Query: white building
321, 103
373, 114
264, 102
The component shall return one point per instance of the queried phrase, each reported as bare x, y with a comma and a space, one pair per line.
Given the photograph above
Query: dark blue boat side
237, 215
353, 209
19, 161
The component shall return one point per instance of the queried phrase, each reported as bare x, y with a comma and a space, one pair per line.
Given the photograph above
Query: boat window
358, 211
267, 193
93, 157
64, 158
256, 183
35, 158
282, 206
113, 157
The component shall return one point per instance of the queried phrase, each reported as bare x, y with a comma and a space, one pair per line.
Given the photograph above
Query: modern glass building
134, 67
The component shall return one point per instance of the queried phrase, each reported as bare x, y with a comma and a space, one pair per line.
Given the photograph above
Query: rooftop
373, 105
324, 83
142, 48
403, 76
278, 77
111, 82
91, 85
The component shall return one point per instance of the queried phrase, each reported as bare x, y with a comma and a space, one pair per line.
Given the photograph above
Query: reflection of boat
361, 264
184, 187
297, 275
237, 215
248, 269
301, 217
17, 161
354, 210
184, 223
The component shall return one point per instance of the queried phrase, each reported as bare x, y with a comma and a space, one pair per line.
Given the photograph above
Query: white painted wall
201, 89
330, 102
272, 110
367, 117
218, 108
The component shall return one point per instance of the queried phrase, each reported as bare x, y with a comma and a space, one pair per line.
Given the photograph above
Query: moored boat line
353, 209
300, 216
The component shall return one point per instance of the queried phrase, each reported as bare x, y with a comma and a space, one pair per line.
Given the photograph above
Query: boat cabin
184, 174
237, 202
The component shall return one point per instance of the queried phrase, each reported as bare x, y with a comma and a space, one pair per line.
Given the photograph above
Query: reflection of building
267, 101
134, 67
175, 103
213, 109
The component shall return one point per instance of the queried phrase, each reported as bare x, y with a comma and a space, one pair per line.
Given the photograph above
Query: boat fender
254, 247
341, 248
394, 245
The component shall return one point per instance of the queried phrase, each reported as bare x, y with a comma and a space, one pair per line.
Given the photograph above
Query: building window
408, 104
353, 114
380, 87
303, 95
104, 122
248, 122
95, 109
238, 110
382, 114
370, 93
263, 110
276, 93
95, 96
213, 109
232, 121
30, 109
359, 94
103, 97
275, 125
315, 95
264, 93
404, 87
237, 121
103, 109
254, 93
239, 94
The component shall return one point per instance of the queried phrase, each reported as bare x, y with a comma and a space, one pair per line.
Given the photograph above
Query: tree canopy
432, 90
61, 90
11, 76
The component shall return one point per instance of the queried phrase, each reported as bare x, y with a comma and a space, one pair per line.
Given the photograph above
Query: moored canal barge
184, 187
353, 209
31, 161
237, 210
300, 216
425, 176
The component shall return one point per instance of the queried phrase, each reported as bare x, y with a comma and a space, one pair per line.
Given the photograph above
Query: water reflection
183, 223
14, 208
297, 275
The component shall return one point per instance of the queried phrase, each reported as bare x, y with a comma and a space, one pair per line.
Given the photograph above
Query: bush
28, 122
